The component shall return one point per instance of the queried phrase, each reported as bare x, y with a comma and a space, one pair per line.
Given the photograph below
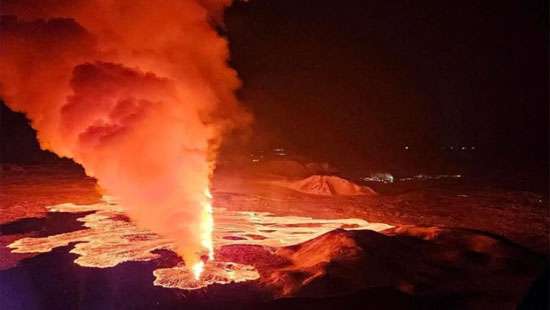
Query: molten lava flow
109, 239
138, 92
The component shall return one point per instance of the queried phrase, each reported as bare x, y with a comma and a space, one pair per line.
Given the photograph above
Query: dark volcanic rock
438, 267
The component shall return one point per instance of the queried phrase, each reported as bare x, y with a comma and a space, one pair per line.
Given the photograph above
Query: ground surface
452, 244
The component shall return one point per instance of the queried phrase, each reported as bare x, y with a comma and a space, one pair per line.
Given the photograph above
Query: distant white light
406, 147
463, 148
380, 177
423, 177
473, 148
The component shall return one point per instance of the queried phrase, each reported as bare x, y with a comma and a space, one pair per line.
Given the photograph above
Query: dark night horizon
372, 77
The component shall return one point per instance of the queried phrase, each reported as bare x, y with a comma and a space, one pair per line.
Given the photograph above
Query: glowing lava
207, 229
214, 273
198, 268
109, 239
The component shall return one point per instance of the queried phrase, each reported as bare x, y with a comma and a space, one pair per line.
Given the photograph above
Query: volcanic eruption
137, 92
398, 158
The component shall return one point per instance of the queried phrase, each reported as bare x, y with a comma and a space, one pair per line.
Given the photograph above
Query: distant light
473, 148
406, 147
423, 177
463, 148
452, 147
380, 177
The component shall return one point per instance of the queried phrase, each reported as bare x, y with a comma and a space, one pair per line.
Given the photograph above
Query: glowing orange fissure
206, 231
108, 240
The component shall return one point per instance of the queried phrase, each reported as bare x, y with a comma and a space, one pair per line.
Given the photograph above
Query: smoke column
136, 91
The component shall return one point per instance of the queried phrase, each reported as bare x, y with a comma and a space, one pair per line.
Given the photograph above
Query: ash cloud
138, 92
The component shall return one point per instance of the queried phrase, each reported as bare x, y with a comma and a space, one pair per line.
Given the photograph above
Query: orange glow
206, 231
198, 268
207, 225
140, 100
107, 241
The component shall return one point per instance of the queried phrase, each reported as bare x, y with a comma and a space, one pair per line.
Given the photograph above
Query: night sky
359, 80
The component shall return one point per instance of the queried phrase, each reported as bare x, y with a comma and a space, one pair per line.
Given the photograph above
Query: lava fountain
206, 232
137, 92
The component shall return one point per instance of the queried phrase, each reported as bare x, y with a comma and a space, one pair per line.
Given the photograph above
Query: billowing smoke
137, 91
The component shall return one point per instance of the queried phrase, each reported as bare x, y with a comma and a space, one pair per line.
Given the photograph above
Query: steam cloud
137, 91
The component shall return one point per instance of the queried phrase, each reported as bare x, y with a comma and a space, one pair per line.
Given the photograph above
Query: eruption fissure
109, 239
137, 92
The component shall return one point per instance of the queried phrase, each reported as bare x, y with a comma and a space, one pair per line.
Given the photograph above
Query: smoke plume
136, 91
